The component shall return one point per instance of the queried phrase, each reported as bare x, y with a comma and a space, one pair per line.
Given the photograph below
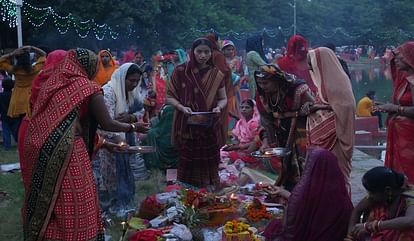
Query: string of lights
39, 16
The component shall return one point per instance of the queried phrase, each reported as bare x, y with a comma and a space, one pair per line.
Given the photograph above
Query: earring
389, 197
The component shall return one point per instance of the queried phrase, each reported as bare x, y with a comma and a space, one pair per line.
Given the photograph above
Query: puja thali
139, 149
201, 118
271, 152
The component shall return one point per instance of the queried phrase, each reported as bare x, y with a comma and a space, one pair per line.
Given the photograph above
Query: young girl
244, 131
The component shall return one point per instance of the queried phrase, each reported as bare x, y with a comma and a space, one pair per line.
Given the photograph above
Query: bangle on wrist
132, 128
400, 110
366, 227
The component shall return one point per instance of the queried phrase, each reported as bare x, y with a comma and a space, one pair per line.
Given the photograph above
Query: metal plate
271, 152
139, 149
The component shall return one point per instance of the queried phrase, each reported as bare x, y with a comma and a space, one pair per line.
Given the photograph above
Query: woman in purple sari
319, 205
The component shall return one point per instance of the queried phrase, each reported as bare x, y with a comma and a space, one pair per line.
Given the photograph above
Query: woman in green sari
159, 136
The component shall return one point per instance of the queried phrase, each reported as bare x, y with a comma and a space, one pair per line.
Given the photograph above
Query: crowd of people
75, 113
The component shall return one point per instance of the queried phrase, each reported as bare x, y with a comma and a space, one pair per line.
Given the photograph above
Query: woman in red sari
295, 60
61, 200
52, 60
389, 208
198, 86
318, 207
400, 141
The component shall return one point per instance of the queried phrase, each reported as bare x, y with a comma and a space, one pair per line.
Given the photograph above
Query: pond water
366, 77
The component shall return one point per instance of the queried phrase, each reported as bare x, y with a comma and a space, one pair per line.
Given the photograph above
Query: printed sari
286, 132
332, 129
382, 213
199, 146
52, 60
61, 201
319, 207
400, 140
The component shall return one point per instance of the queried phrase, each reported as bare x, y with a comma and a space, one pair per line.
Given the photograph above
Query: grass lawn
10, 206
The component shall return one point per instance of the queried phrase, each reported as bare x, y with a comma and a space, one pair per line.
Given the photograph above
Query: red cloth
128, 57
53, 59
400, 140
319, 206
147, 235
382, 213
61, 200
407, 51
160, 90
297, 51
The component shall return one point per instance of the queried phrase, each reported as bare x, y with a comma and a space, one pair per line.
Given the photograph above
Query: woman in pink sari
243, 132
318, 207
400, 140
331, 126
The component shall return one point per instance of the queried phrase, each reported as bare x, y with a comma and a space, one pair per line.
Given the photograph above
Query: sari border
46, 178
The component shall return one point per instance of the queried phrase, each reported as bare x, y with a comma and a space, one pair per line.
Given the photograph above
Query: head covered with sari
227, 43
104, 73
319, 206
213, 38
193, 89
255, 43
407, 52
335, 90
286, 83
297, 48
123, 99
53, 59
51, 135
245, 130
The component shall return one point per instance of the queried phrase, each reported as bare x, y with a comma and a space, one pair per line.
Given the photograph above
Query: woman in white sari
116, 173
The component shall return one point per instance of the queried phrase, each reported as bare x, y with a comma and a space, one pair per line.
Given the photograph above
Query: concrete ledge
361, 163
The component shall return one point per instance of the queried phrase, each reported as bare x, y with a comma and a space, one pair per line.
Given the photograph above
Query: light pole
293, 5
19, 4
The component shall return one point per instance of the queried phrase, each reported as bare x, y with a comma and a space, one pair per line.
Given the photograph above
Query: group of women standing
58, 141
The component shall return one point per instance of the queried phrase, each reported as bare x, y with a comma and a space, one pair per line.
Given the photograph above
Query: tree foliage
164, 24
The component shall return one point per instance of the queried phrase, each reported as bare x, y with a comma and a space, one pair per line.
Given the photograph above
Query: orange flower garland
257, 211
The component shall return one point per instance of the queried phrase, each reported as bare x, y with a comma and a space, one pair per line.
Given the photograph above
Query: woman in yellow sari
24, 72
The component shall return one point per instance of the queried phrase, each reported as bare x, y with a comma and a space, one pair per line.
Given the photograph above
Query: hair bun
399, 178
